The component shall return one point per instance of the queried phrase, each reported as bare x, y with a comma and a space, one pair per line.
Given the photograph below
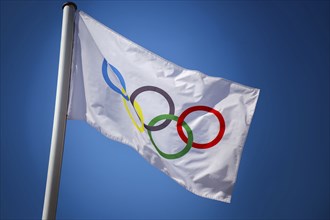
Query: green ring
185, 126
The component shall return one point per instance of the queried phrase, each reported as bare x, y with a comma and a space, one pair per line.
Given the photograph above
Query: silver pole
61, 106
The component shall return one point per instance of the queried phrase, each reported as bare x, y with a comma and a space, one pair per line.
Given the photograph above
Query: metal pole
61, 106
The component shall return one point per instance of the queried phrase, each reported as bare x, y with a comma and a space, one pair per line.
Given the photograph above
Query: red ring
201, 108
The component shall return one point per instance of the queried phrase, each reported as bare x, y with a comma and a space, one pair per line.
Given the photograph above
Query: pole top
68, 4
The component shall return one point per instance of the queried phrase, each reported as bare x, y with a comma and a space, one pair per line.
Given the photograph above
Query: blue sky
278, 46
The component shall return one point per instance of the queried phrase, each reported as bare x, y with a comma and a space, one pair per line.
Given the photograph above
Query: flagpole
61, 106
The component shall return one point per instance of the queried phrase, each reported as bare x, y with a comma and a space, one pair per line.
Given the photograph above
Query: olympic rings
201, 108
119, 76
166, 96
186, 127
167, 117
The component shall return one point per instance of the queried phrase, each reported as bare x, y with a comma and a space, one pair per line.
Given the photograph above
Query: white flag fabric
189, 125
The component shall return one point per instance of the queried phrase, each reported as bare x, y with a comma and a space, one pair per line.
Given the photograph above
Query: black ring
166, 96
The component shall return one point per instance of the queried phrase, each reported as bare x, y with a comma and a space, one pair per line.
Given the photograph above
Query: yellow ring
138, 111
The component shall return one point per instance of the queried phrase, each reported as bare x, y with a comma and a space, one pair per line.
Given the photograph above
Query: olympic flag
189, 125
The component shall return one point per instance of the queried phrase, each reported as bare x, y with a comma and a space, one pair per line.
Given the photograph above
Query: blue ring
108, 81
